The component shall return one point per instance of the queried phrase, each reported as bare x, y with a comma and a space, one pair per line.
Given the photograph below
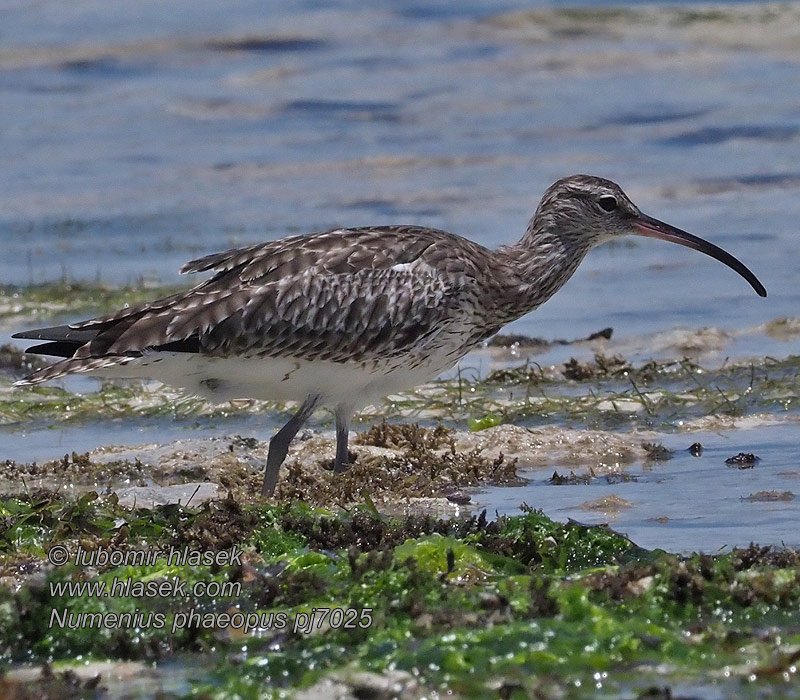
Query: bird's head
584, 211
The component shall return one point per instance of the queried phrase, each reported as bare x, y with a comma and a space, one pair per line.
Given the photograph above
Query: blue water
688, 503
138, 136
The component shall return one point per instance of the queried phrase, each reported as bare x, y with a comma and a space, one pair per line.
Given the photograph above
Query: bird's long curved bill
653, 228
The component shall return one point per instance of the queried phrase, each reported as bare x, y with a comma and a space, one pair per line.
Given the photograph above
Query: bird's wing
338, 251
357, 317
357, 294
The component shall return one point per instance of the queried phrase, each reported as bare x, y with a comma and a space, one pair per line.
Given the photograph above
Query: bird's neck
540, 263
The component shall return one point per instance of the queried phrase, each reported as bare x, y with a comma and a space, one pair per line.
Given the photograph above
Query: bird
341, 318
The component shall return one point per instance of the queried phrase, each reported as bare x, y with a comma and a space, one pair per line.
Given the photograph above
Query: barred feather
71, 366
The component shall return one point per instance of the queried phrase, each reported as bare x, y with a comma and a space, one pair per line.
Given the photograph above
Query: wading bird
344, 317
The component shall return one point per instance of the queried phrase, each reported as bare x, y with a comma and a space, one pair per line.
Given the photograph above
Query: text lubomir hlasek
148, 557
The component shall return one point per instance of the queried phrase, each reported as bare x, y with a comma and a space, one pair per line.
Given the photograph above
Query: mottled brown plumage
369, 309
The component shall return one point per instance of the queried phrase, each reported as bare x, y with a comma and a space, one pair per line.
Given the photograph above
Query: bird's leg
279, 445
343, 415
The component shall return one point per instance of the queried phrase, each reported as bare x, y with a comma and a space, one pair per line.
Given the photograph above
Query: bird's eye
608, 202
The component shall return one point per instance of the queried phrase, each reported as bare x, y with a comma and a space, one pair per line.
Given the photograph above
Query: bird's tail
72, 366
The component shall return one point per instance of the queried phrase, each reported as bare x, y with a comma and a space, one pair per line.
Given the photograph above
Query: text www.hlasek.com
128, 588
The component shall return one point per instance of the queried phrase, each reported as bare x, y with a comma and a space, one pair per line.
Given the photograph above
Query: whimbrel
342, 318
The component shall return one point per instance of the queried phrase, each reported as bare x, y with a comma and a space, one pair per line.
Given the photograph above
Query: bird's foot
340, 465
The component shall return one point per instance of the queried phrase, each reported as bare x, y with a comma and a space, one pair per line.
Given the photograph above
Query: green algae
114, 399
48, 300
462, 605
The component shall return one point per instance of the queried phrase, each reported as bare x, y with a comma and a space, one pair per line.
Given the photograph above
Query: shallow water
138, 137
38, 443
687, 503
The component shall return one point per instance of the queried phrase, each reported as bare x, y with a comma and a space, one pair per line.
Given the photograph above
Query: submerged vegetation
605, 393
48, 300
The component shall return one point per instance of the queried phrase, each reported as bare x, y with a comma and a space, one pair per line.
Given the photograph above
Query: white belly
278, 379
